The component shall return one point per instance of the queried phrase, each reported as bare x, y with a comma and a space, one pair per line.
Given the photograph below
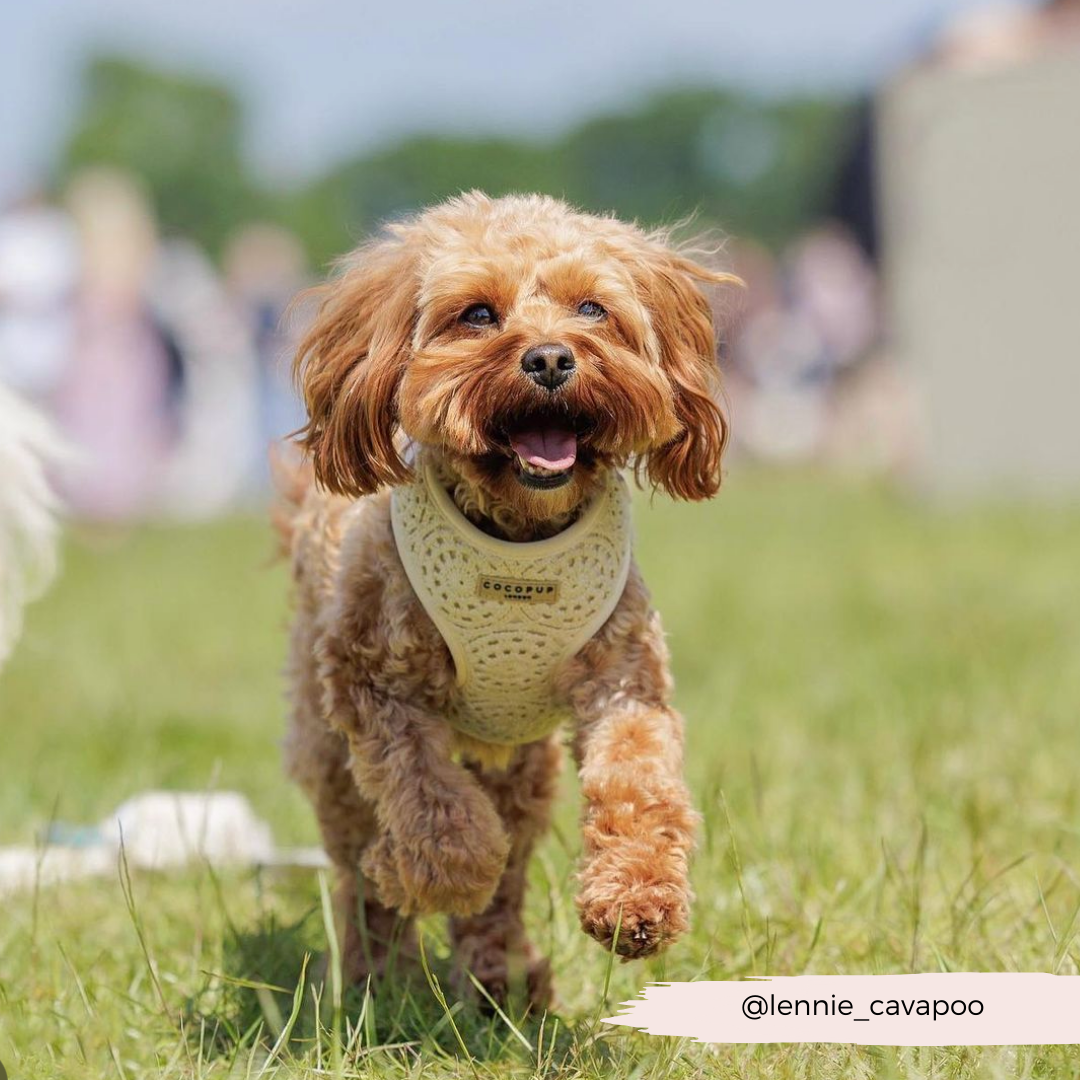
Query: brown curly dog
492, 364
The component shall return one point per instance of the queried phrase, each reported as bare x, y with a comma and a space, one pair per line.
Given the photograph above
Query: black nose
548, 366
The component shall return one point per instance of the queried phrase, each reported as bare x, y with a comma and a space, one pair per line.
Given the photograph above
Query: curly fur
28, 507
416, 817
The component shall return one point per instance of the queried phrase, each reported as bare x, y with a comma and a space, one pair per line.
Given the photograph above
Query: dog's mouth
544, 456
544, 450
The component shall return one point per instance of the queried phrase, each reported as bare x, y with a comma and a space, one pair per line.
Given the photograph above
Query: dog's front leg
442, 846
638, 824
637, 829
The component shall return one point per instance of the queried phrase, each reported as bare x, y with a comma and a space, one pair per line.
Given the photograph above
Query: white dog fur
28, 511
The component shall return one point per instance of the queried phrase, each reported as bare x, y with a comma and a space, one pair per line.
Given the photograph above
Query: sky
323, 78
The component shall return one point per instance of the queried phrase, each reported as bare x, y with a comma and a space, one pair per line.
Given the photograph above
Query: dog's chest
511, 614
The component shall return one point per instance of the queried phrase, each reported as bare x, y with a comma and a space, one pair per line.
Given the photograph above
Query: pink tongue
550, 448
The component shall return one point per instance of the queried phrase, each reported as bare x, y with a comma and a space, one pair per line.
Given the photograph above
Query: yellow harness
511, 613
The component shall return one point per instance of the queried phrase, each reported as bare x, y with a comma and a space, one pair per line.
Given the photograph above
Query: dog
475, 380
28, 511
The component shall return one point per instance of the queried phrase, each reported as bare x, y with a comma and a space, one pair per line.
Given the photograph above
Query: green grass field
883, 702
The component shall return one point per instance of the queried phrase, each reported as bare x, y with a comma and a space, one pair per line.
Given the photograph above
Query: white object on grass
157, 830
162, 829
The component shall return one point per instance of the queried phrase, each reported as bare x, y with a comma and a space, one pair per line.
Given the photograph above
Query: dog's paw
648, 918
456, 876
450, 862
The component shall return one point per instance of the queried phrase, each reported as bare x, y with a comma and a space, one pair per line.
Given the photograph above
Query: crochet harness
511, 613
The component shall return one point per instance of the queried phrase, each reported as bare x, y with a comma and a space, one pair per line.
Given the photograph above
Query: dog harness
511, 613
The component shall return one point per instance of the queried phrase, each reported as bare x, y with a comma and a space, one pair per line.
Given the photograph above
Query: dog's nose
548, 366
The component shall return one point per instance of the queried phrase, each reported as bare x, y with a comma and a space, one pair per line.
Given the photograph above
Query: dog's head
531, 345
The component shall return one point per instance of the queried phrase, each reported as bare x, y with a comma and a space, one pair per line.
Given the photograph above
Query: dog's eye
591, 310
479, 315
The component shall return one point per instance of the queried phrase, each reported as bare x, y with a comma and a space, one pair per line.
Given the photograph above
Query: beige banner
950, 1009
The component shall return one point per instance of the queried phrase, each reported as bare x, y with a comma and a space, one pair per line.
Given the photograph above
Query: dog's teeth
537, 470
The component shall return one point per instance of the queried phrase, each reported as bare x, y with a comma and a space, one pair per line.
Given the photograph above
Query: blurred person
39, 270
877, 419
978, 182
755, 265
1008, 33
854, 200
871, 420
833, 282
214, 387
1002, 34
265, 269
758, 270
113, 400
808, 317
783, 406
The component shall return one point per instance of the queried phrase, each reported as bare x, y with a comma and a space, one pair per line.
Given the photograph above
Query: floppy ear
349, 366
688, 467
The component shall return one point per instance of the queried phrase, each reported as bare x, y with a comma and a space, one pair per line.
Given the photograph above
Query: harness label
517, 590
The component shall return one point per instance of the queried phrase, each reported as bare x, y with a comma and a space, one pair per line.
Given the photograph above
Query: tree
181, 135
752, 166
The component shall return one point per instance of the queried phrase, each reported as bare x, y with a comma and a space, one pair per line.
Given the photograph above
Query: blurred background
875, 629
896, 184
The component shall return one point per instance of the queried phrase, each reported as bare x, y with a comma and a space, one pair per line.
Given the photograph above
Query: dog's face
532, 346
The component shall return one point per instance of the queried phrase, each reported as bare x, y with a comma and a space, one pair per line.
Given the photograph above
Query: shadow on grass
272, 996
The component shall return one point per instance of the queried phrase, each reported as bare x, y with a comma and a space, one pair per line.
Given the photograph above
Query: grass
882, 698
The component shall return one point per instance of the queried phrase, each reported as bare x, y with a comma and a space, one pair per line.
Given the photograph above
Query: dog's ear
687, 467
349, 366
